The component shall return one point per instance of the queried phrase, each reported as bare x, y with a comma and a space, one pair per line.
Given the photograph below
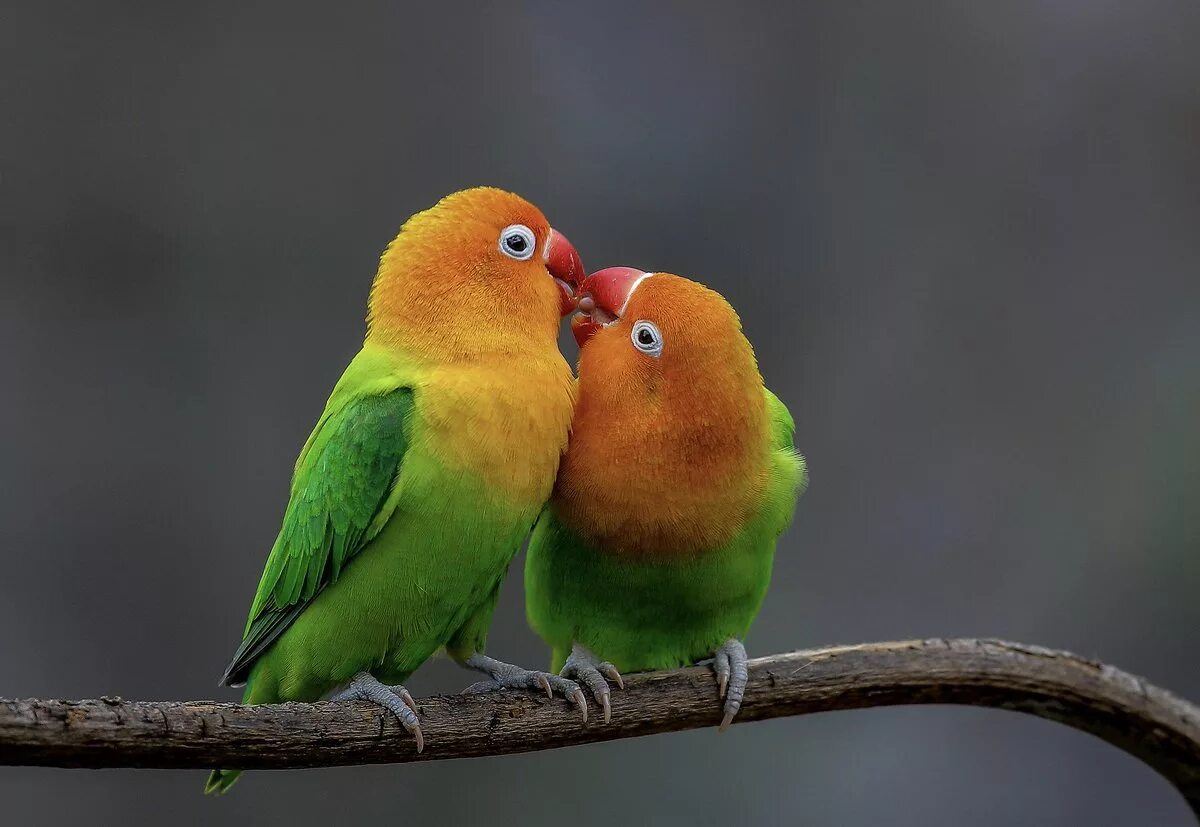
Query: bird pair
659, 480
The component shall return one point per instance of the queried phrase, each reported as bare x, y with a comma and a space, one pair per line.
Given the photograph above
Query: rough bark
1149, 723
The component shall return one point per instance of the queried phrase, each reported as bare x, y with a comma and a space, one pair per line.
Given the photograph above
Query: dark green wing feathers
341, 486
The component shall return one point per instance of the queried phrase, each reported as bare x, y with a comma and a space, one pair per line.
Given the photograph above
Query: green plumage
642, 614
341, 484
387, 552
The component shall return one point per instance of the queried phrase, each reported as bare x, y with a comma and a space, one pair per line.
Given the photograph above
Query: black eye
647, 338
516, 241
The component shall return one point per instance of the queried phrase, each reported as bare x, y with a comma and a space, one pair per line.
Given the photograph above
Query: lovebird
424, 474
656, 547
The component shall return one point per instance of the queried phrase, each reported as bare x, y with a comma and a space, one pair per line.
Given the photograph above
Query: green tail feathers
260, 689
220, 780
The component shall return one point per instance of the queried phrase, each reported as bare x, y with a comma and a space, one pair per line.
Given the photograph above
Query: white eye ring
646, 338
517, 241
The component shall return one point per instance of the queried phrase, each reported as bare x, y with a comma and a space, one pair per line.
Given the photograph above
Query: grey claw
407, 698
589, 670
481, 687
395, 699
594, 682
580, 701
609, 671
732, 668
509, 676
721, 667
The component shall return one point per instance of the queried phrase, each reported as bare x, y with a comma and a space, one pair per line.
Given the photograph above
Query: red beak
602, 299
565, 266
583, 328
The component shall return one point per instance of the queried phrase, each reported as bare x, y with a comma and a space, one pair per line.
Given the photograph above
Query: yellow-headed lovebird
436, 451
655, 550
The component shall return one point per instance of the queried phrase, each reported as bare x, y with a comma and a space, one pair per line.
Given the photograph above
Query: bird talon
590, 671
509, 676
609, 671
408, 700
395, 699
730, 664
581, 702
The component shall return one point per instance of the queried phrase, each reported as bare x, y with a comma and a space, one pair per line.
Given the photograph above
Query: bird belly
644, 614
402, 597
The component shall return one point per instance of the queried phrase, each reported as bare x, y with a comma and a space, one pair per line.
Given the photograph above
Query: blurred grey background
964, 238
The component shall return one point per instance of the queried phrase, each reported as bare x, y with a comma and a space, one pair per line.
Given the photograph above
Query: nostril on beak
587, 304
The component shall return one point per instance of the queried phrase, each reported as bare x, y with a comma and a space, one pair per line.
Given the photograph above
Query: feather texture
341, 486
681, 474
434, 454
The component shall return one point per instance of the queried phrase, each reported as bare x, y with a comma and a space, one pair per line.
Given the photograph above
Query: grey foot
395, 699
507, 676
729, 662
589, 670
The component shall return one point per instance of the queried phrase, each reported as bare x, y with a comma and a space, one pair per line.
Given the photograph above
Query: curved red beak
565, 267
602, 299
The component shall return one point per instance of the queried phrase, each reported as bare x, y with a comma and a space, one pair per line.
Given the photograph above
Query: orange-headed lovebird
432, 459
655, 550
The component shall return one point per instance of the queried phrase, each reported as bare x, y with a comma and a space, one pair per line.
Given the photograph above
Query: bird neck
441, 315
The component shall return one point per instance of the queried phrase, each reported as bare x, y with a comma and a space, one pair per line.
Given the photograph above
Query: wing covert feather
342, 483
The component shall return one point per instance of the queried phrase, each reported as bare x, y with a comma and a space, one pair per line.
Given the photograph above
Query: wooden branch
1147, 722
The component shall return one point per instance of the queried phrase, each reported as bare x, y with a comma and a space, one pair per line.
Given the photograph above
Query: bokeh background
964, 238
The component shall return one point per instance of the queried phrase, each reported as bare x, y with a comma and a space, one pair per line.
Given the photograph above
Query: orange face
481, 271
669, 441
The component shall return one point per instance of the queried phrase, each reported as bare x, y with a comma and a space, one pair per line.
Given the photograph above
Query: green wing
339, 502
783, 427
791, 470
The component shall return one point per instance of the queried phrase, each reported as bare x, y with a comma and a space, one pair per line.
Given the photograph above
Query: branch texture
1149, 723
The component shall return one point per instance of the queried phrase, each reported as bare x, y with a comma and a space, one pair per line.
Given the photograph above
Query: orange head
669, 444
480, 272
